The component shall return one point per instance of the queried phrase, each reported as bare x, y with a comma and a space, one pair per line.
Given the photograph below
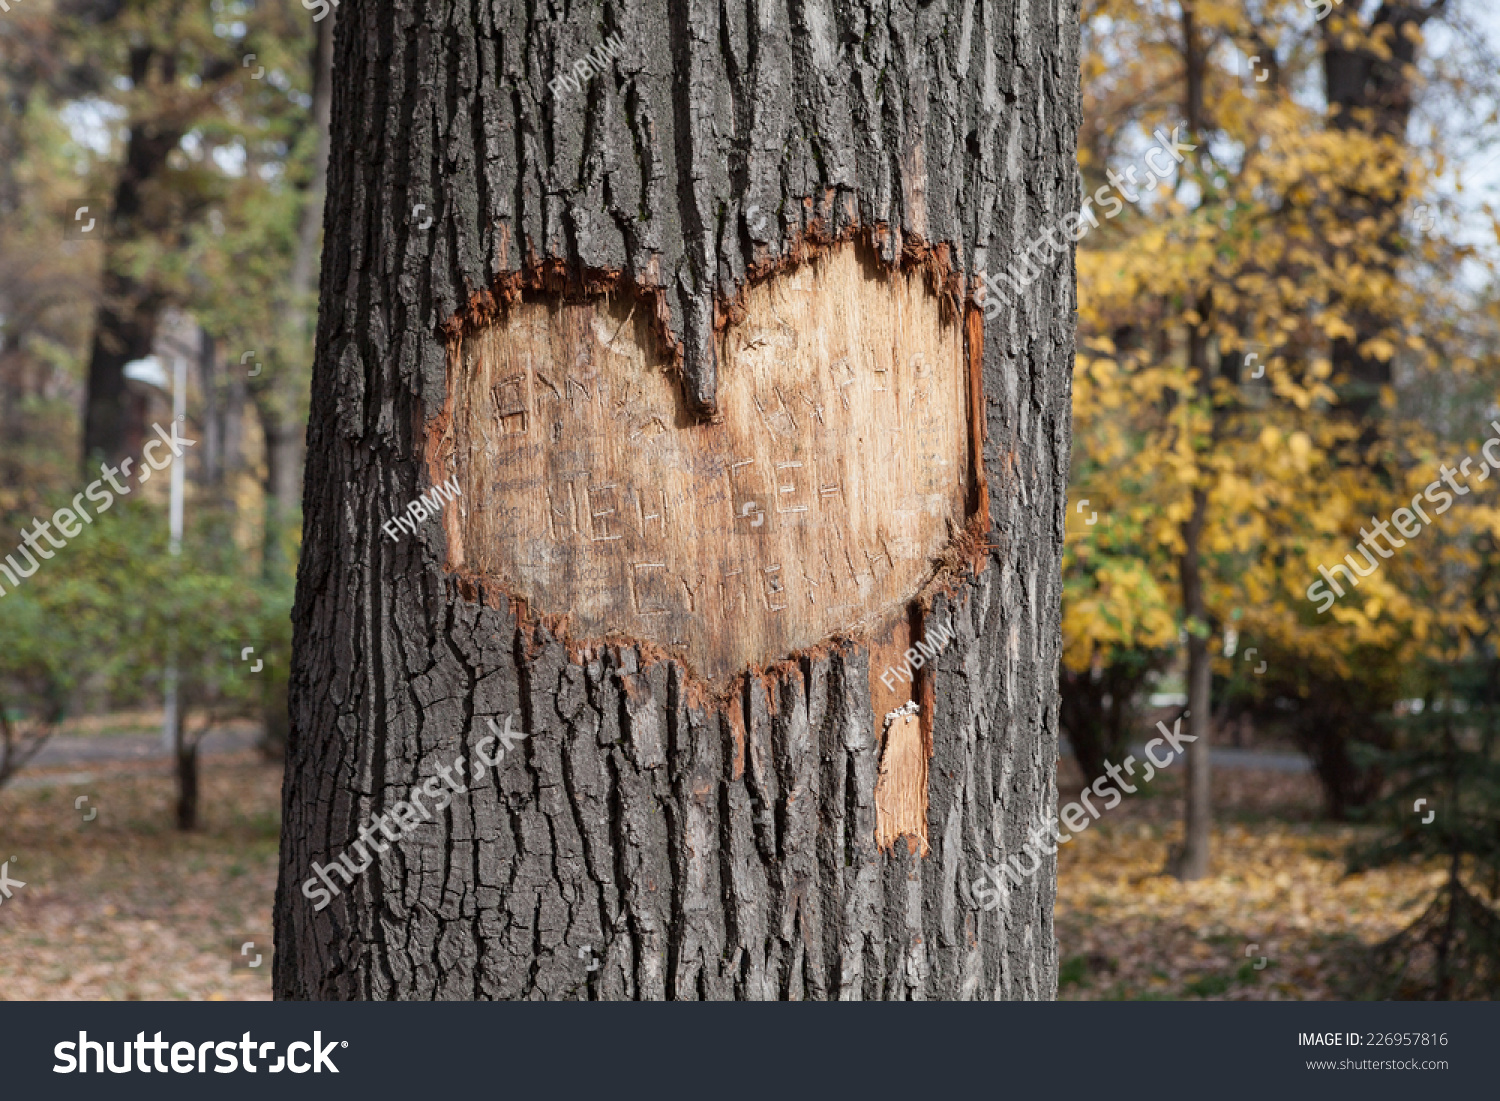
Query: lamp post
150, 371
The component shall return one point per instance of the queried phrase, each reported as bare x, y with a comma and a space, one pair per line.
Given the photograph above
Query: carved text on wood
816, 505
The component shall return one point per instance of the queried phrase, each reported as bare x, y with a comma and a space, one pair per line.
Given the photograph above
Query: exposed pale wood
814, 505
901, 791
887, 652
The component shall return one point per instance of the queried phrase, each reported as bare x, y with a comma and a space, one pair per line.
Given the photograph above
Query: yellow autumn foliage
1281, 236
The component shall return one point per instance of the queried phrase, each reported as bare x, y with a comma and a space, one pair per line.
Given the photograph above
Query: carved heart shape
815, 505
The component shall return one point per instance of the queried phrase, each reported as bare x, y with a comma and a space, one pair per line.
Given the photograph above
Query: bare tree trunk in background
125, 325
1193, 859
691, 343
185, 757
214, 460
224, 394
281, 403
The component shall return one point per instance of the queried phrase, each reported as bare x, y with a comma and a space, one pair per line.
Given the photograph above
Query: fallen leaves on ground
127, 907
1277, 897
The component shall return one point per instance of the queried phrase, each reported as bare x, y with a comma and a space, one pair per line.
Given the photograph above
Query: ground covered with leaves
1277, 919
125, 907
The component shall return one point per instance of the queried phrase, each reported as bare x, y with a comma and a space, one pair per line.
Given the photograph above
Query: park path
65, 750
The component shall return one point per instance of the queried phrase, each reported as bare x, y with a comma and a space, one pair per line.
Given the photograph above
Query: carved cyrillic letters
814, 506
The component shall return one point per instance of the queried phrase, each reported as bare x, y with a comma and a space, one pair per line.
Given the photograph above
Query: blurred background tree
59, 626
196, 136
110, 613
1443, 803
1272, 351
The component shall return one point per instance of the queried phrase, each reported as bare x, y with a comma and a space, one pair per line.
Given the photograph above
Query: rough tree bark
744, 230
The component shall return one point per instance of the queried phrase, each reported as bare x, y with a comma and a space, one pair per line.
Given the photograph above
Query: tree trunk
280, 396
1194, 860
125, 325
1191, 861
1368, 79
187, 779
691, 344
280, 400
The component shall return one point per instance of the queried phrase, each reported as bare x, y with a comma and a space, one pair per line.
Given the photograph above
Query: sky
1472, 182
